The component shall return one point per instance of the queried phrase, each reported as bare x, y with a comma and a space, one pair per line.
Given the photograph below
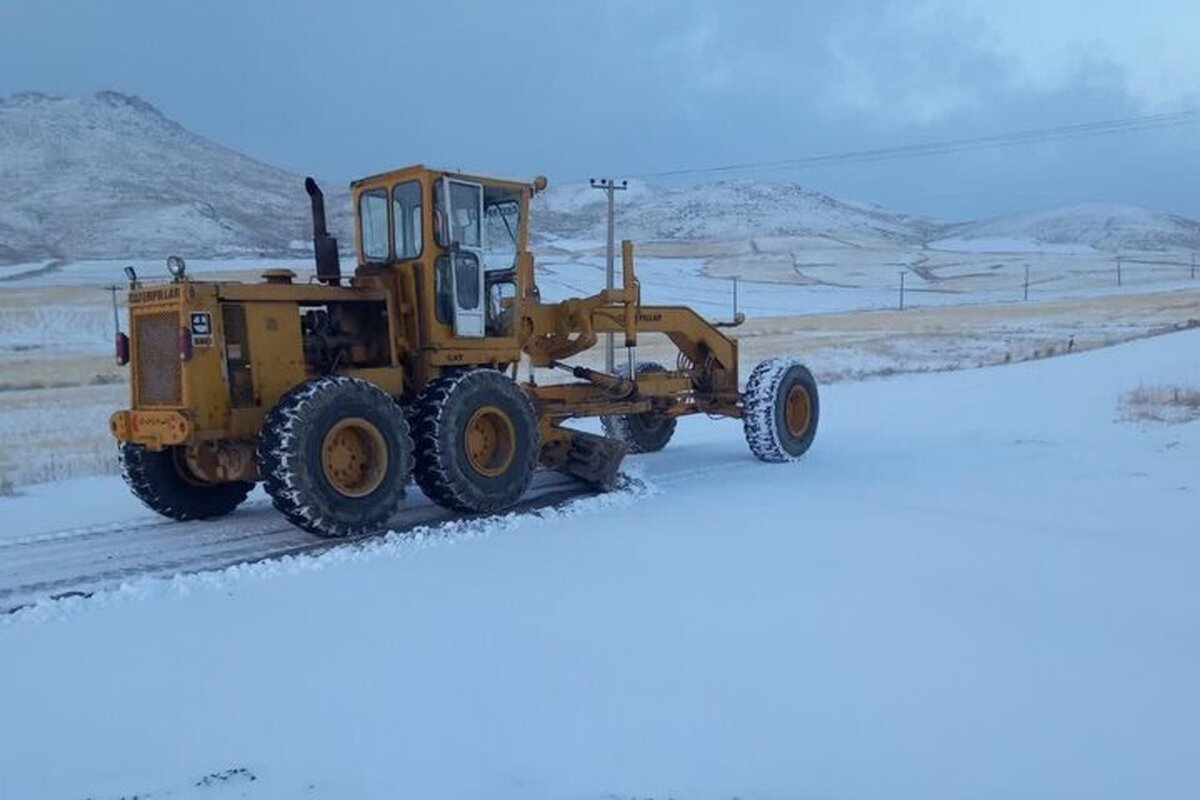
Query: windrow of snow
633, 487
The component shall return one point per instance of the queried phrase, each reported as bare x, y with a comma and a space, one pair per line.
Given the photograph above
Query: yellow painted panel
276, 350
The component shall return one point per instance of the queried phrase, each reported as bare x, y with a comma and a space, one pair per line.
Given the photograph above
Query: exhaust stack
325, 247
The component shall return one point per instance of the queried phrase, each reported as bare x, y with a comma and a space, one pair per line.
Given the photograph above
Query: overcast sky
572, 89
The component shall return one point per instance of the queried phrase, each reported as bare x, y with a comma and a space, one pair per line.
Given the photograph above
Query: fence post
1026, 281
1118, 270
901, 290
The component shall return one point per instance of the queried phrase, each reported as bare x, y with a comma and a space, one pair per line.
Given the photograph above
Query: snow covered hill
722, 211
108, 176
1104, 227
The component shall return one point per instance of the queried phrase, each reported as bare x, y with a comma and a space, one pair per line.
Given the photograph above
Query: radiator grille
156, 339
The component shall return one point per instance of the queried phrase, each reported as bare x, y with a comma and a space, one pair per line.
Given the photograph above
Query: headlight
176, 266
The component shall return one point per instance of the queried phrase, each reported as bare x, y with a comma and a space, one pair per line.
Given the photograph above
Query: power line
1011, 139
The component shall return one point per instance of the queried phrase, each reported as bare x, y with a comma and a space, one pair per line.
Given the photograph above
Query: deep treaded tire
780, 410
647, 432
476, 439
335, 455
163, 482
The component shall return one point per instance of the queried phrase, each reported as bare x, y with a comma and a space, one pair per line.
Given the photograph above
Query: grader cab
334, 392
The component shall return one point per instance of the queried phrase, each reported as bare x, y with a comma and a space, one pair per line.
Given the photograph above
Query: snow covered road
976, 584
40, 562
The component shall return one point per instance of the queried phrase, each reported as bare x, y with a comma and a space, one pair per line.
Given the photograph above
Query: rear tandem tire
162, 481
335, 455
647, 432
476, 437
780, 410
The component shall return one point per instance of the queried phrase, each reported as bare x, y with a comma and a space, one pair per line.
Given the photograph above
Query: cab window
406, 219
443, 287
502, 216
463, 227
373, 219
466, 280
465, 222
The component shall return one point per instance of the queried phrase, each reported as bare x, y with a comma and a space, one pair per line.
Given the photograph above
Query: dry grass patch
1161, 404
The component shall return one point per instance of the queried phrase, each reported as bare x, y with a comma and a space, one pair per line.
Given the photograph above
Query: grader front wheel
780, 410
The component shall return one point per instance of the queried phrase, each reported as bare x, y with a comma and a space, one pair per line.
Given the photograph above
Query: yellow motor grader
334, 392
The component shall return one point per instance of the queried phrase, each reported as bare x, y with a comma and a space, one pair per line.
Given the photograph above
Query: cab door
464, 221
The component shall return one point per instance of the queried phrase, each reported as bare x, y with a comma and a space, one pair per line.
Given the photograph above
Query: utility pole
1026, 281
1118, 270
902, 290
1193, 265
609, 186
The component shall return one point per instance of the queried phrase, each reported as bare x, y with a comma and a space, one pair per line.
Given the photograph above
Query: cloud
630, 86
903, 64
1050, 45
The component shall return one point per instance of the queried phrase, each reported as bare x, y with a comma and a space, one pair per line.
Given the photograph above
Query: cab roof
414, 170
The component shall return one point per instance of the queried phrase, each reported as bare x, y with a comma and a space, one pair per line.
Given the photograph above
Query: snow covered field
863, 280
978, 583
99, 273
58, 383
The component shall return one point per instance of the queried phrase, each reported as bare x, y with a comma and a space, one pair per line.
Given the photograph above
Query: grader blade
595, 459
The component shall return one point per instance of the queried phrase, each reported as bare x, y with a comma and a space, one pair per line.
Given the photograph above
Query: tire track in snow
81, 561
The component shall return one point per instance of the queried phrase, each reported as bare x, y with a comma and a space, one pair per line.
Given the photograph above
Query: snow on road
42, 557
976, 584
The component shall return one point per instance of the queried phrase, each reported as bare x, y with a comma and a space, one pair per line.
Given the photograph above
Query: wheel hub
797, 411
354, 457
490, 441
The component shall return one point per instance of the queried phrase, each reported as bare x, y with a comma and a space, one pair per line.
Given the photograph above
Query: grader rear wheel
335, 455
780, 410
354, 457
163, 481
476, 439
491, 441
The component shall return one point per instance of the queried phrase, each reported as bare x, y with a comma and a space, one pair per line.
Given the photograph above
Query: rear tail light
185, 344
122, 349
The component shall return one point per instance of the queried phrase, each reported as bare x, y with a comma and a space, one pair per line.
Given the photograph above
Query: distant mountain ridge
722, 211
1102, 226
109, 176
